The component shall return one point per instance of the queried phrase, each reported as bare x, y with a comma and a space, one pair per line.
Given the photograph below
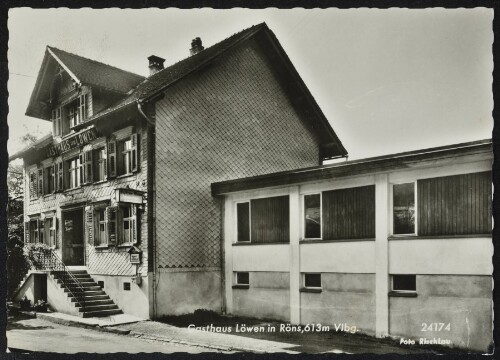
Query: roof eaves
63, 65
44, 141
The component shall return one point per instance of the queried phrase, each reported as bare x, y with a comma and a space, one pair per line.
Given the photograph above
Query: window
34, 227
73, 175
242, 278
59, 175
50, 231
123, 156
312, 280
126, 213
312, 216
100, 222
404, 283
56, 121
126, 286
73, 113
349, 213
243, 215
270, 218
455, 205
263, 220
403, 197
100, 167
41, 231
50, 179
100, 283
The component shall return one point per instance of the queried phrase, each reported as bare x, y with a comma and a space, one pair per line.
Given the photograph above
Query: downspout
152, 246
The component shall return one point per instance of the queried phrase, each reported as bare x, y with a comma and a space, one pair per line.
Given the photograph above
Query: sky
387, 80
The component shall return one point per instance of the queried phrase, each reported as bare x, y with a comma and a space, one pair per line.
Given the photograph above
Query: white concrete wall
271, 257
461, 256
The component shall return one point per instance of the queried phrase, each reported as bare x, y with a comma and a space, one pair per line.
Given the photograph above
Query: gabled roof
83, 71
156, 83
95, 73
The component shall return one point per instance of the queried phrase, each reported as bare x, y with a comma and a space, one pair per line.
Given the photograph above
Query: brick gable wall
232, 119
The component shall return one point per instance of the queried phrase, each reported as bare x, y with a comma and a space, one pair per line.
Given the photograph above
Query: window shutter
134, 139
32, 181
59, 176
27, 232
81, 157
53, 178
111, 159
52, 232
82, 107
38, 237
56, 227
134, 224
105, 167
88, 167
111, 212
40, 182
89, 217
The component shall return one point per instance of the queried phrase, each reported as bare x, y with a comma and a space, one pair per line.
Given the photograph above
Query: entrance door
72, 237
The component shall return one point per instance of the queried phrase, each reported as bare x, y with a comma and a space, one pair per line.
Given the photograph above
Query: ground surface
35, 335
312, 342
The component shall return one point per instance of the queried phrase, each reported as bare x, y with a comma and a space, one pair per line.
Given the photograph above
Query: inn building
201, 186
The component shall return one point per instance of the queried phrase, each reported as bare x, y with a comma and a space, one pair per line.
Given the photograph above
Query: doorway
73, 249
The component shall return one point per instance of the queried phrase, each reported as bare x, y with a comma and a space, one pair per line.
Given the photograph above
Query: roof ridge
253, 27
95, 61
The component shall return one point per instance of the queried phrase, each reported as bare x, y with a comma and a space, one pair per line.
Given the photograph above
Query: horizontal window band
333, 241
254, 243
402, 294
241, 286
423, 237
310, 290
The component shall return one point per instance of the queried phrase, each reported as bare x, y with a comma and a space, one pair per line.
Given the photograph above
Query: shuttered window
270, 220
33, 185
56, 121
349, 213
455, 205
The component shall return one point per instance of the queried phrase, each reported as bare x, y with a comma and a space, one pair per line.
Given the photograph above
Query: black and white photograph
250, 180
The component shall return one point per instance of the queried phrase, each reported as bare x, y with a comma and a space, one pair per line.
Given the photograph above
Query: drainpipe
150, 204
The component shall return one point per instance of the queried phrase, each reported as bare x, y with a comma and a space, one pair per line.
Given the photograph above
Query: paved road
43, 336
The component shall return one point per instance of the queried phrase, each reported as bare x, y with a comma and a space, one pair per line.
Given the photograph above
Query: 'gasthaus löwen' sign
79, 139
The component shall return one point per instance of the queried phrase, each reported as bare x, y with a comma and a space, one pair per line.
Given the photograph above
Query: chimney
155, 64
196, 46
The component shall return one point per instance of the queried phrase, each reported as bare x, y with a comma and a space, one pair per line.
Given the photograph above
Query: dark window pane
404, 282
455, 205
349, 213
312, 280
243, 221
404, 208
242, 278
312, 216
270, 220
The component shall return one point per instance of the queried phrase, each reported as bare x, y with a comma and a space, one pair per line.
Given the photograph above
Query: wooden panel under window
270, 220
349, 213
455, 205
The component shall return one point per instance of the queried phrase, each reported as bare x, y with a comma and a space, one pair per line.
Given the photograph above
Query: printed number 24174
436, 327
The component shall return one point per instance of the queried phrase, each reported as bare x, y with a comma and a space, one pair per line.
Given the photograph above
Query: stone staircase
96, 303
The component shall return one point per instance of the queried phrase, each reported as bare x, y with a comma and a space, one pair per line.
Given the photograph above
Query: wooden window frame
403, 290
70, 170
100, 164
50, 231
133, 224
415, 199
303, 216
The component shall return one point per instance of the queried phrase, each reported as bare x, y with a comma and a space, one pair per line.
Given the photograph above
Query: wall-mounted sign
135, 258
79, 139
129, 196
135, 255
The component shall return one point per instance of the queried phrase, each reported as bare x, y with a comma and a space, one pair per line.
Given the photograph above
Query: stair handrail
54, 263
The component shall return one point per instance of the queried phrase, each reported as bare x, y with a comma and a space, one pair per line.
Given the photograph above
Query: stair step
100, 313
85, 282
93, 297
85, 288
98, 308
96, 302
88, 293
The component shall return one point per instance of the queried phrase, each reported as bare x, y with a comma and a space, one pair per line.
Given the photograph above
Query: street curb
73, 323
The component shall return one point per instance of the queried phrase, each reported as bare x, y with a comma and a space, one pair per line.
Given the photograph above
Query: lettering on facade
77, 140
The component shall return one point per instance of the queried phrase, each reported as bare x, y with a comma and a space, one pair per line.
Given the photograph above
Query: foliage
40, 306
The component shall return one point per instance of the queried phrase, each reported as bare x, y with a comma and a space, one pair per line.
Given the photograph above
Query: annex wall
463, 301
345, 299
268, 296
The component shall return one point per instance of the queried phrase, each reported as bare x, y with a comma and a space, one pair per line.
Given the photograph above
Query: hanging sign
74, 141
